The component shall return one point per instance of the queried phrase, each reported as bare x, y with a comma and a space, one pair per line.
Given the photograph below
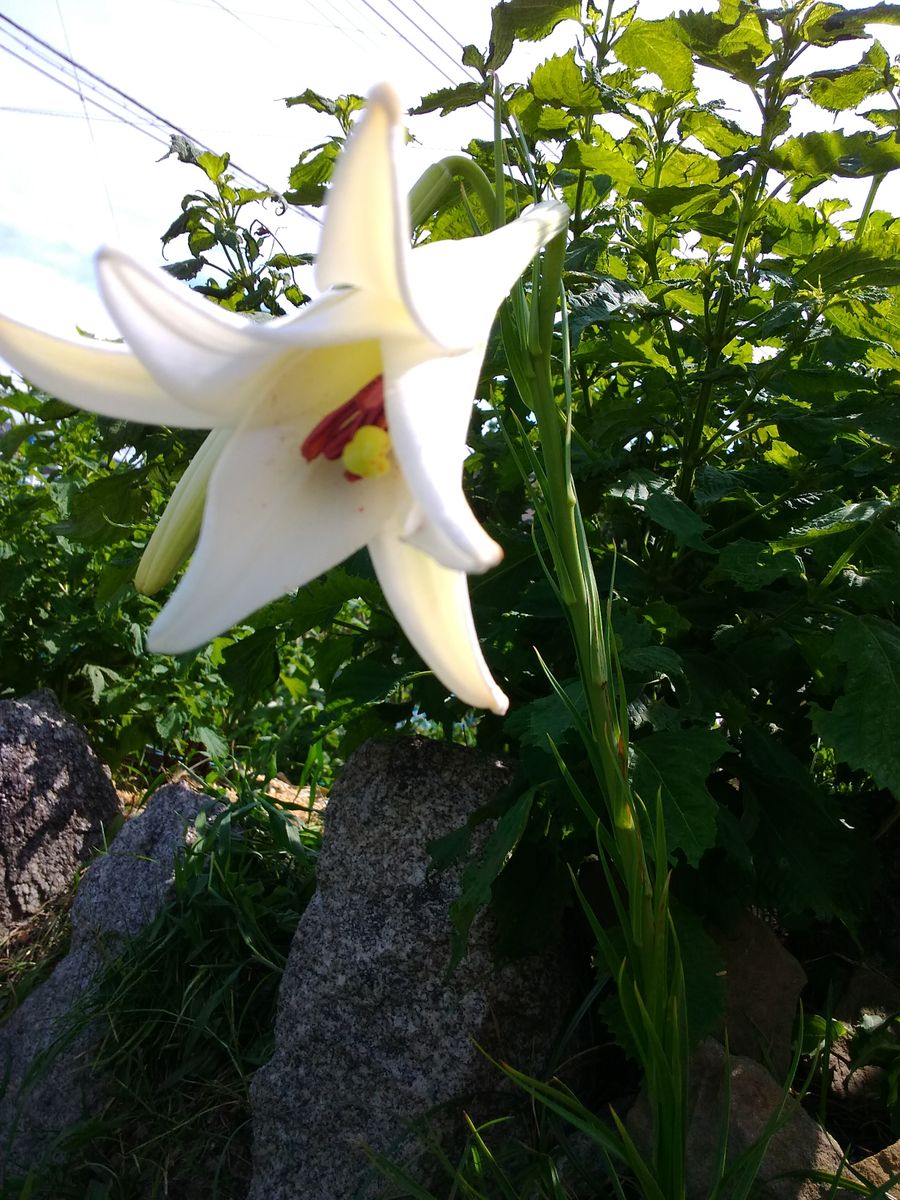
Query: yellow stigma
366, 453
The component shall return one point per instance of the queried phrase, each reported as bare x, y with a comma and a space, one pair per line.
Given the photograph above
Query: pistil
334, 433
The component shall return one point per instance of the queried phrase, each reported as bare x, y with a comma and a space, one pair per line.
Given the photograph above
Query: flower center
356, 433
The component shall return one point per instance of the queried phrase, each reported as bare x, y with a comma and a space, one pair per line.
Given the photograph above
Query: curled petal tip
384, 96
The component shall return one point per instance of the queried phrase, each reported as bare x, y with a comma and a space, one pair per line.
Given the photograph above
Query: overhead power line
90, 86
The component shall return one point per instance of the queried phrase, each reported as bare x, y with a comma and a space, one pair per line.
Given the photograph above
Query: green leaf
656, 46
847, 155
105, 511
675, 765
559, 82
212, 741
718, 135
251, 666
829, 523
826, 24
213, 164
314, 100
478, 878
312, 172
188, 268
754, 565
844, 265
849, 86
806, 859
604, 158
603, 301
527, 21
448, 100
548, 718
863, 726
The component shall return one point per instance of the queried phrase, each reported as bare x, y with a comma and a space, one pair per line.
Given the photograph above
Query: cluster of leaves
735, 351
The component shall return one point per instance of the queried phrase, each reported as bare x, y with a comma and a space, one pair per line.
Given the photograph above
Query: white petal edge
272, 523
366, 231
476, 274
432, 606
102, 378
428, 402
197, 351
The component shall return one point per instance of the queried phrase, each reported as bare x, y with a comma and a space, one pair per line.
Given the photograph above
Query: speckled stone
56, 799
371, 1033
119, 895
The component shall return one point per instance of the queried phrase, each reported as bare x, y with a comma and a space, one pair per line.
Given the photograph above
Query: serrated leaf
604, 158
478, 878
846, 88
527, 21
675, 765
655, 46
188, 268
548, 718
718, 135
448, 100
806, 859
251, 666
602, 301
560, 82
213, 164
212, 742
863, 726
847, 155
308, 178
835, 521
754, 565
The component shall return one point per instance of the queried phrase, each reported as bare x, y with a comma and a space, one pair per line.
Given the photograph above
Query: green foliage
186, 1013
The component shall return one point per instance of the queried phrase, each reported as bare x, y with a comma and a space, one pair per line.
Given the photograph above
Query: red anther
333, 433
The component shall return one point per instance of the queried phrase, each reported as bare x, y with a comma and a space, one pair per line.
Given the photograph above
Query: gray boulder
56, 801
46, 1080
371, 1032
752, 1096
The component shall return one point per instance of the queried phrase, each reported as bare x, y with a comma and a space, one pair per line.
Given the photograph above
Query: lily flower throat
356, 433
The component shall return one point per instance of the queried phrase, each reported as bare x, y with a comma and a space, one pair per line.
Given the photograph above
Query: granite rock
46, 1081
56, 801
763, 983
752, 1096
372, 1034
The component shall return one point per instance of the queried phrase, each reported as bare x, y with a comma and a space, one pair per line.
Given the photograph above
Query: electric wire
135, 104
87, 118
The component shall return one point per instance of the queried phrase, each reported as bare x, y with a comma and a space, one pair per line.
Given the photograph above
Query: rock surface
762, 993
56, 800
753, 1096
882, 1168
371, 1033
120, 894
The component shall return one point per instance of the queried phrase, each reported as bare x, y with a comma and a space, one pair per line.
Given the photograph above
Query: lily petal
432, 605
103, 378
428, 402
197, 351
458, 314
272, 523
366, 231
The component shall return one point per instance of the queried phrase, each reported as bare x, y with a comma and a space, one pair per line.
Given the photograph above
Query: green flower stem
863, 221
647, 966
438, 186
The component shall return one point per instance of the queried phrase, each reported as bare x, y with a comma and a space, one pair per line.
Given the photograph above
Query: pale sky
219, 70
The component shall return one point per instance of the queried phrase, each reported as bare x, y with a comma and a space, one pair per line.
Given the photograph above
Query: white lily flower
344, 424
